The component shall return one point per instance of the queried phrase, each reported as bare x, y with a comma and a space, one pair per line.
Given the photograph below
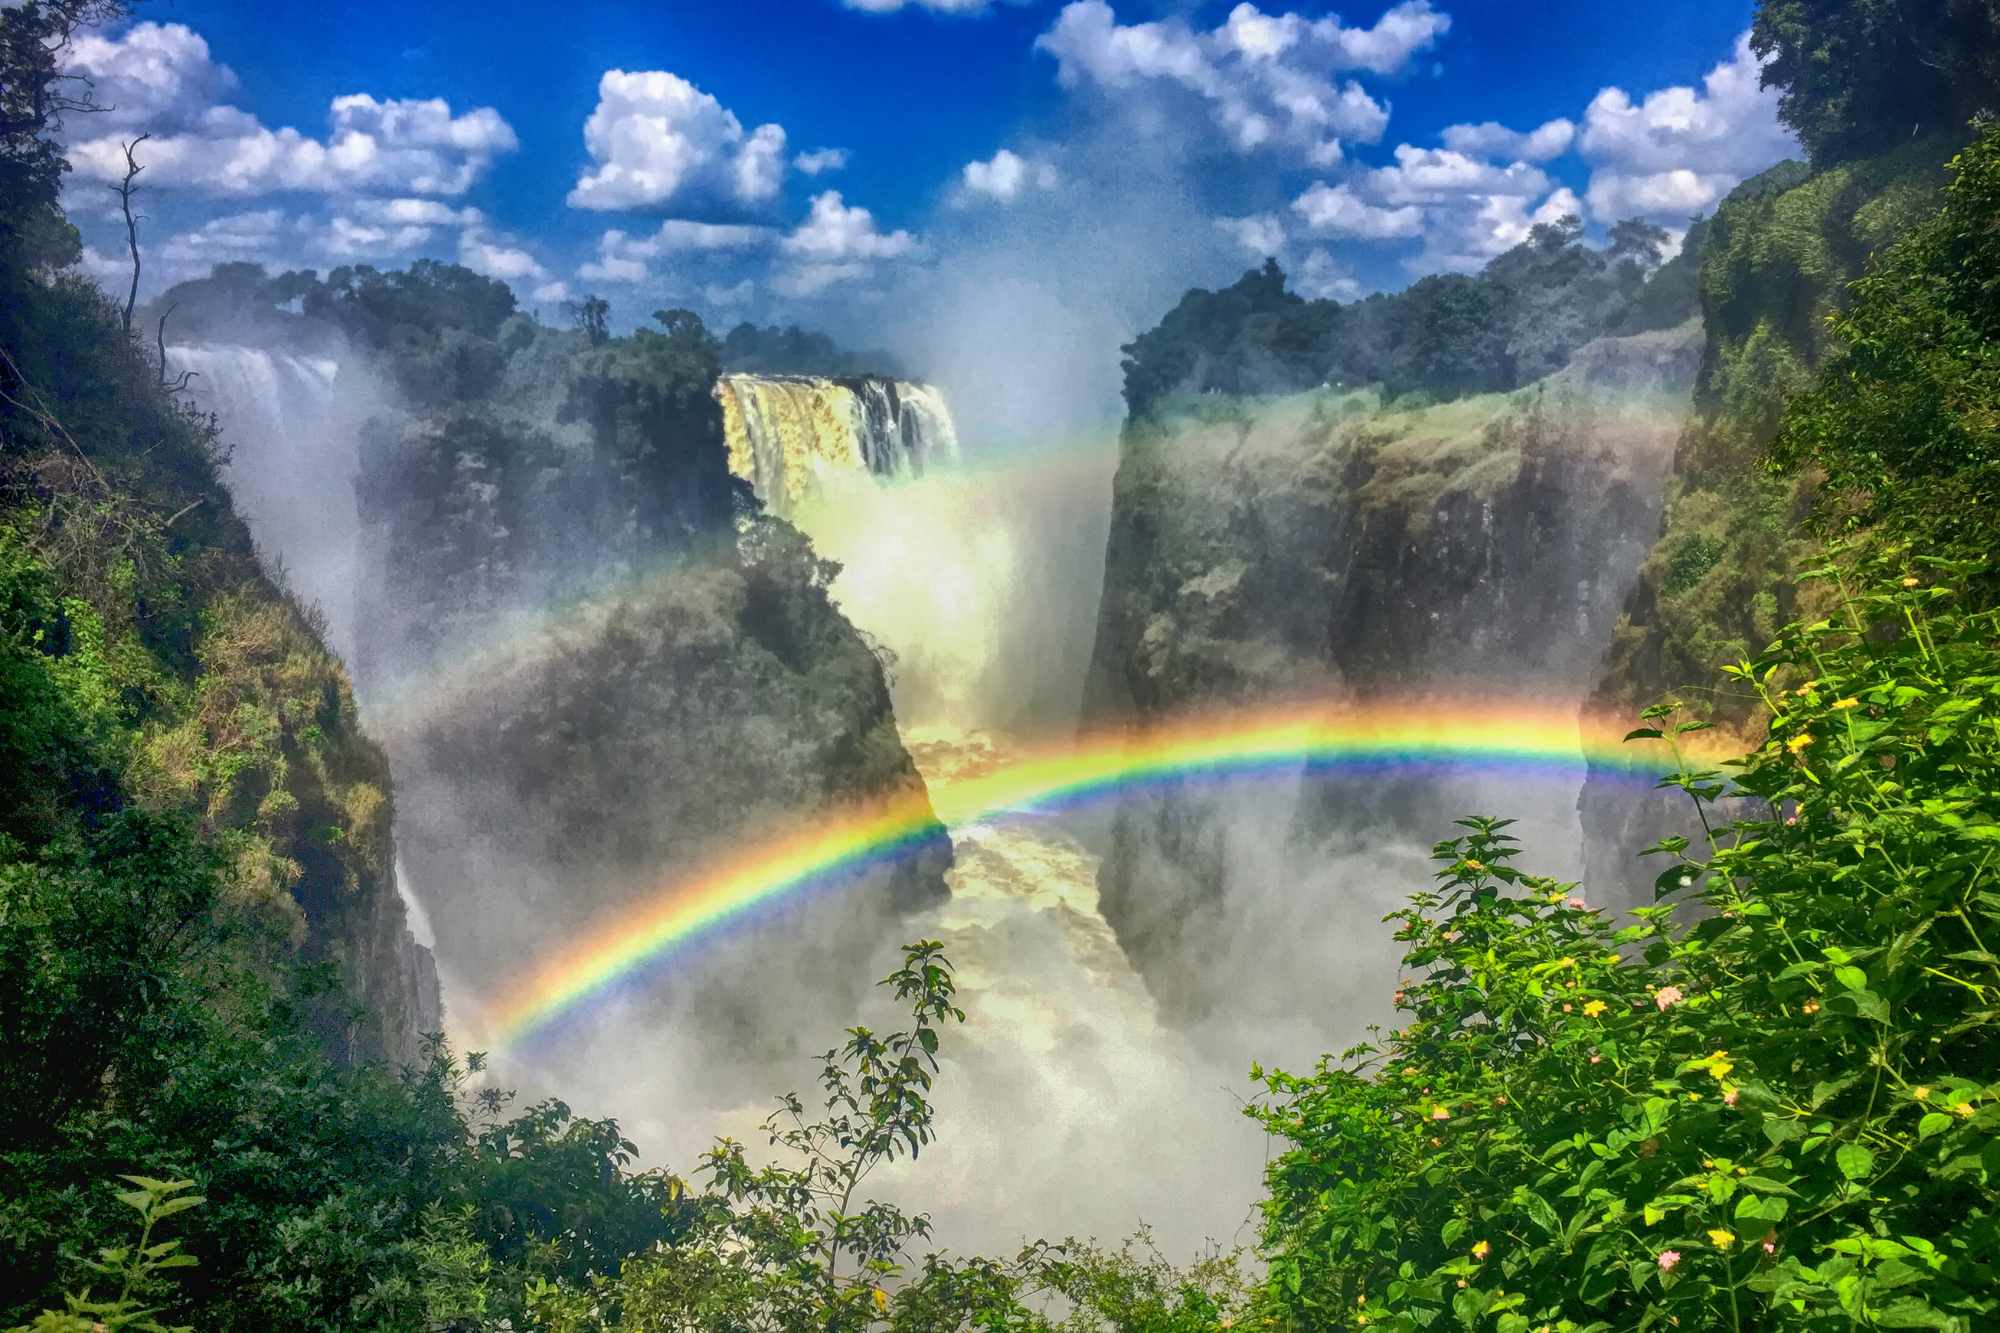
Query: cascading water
789, 434
289, 424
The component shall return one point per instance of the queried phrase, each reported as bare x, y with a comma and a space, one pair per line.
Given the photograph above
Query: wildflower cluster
1772, 1102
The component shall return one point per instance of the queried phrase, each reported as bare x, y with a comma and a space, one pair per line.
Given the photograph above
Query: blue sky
1087, 159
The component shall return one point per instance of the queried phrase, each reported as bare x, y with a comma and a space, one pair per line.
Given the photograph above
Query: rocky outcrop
593, 686
1321, 546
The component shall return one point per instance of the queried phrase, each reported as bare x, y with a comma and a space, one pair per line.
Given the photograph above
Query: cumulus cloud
1434, 175
1491, 139
837, 242
1469, 235
1266, 77
1260, 234
162, 77
551, 293
838, 232
1005, 175
235, 236
499, 258
157, 75
655, 138
821, 160
622, 257
1336, 210
1322, 277
1679, 149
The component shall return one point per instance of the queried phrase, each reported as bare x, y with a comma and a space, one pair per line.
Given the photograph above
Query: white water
290, 425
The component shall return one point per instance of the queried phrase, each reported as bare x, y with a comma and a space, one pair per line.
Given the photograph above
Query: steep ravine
1321, 547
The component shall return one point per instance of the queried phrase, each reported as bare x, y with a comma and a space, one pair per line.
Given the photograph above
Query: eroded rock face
1319, 548
587, 708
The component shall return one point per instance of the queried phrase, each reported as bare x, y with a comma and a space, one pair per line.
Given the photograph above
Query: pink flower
1771, 1243
1579, 904
1729, 1097
1668, 997
1669, 1260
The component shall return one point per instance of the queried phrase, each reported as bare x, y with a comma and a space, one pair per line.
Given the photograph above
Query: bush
1771, 1103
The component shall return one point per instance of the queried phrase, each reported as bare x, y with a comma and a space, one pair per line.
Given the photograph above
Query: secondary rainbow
1420, 735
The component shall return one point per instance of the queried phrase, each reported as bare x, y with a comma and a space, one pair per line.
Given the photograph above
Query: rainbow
1422, 736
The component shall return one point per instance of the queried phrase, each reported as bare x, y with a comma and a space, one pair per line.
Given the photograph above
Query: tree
591, 317
1860, 76
1905, 419
35, 96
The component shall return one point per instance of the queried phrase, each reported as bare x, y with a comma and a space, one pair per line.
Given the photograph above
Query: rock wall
1320, 546
597, 673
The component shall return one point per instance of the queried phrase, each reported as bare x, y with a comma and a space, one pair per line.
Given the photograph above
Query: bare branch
124, 190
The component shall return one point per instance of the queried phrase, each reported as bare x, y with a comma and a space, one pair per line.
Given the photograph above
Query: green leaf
1935, 1122
1855, 1162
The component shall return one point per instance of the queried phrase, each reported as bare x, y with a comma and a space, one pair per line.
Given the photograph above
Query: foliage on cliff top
1780, 250
1445, 336
1782, 1111
1905, 420
1861, 76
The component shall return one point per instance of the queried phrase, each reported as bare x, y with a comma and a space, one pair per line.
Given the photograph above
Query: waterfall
289, 424
789, 434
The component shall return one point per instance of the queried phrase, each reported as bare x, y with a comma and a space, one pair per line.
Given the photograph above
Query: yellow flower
1847, 703
881, 1299
1593, 1008
1482, 1249
1909, 583
1921, 1093
1799, 742
1720, 1064
1723, 1237
1964, 1109
1471, 864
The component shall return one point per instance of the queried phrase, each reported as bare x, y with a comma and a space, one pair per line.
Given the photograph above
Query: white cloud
1265, 76
1006, 174
1260, 234
347, 238
837, 232
415, 212
622, 257
654, 138
1678, 149
1491, 139
738, 293
821, 160
1338, 211
1323, 277
550, 293
497, 258
812, 279
157, 76
1467, 236
1661, 194
161, 77
235, 236
1434, 175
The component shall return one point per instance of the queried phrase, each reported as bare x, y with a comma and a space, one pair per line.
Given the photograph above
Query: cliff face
600, 671
1717, 581
1323, 547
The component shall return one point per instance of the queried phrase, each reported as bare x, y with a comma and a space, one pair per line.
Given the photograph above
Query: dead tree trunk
124, 190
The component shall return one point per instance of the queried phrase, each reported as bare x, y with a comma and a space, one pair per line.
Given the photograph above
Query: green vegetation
1901, 422
1778, 1111
1444, 337
792, 350
1774, 1102
1860, 76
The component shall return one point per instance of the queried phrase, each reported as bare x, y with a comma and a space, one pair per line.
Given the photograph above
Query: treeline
1443, 337
791, 350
